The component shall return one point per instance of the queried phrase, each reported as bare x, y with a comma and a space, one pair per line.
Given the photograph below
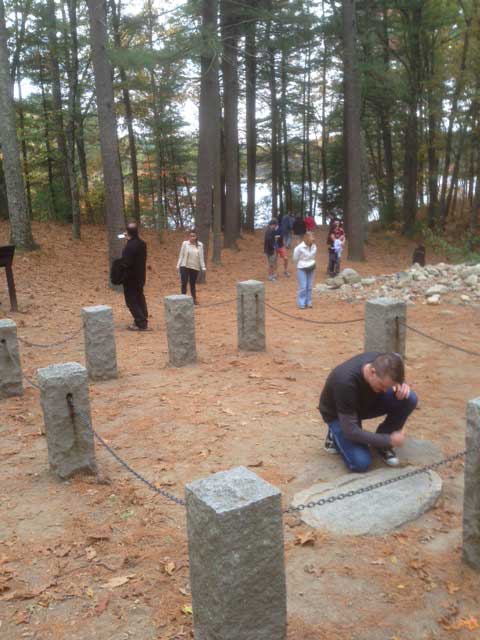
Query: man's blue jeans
305, 285
358, 457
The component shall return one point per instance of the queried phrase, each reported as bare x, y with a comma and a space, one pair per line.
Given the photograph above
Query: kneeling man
366, 386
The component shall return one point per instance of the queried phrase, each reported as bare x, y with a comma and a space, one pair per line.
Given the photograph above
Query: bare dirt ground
84, 560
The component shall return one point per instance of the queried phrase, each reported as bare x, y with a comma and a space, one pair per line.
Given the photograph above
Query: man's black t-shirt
134, 256
347, 396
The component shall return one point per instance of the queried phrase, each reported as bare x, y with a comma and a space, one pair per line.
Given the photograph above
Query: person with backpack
134, 263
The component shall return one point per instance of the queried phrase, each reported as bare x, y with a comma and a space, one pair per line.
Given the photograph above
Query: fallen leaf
169, 568
90, 553
452, 588
465, 623
102, 604
117, 582
308, 537
393, 559
102, 533
256, 464
187, 609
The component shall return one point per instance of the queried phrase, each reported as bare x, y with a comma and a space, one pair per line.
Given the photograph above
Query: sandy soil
62, 543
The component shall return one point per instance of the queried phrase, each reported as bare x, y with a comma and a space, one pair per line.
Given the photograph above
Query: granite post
237, 565
251, 315
471, 495
100, 350
10, 367
385, 325
69, 440
180, 321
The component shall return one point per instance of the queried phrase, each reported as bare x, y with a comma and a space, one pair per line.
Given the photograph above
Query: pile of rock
433, 284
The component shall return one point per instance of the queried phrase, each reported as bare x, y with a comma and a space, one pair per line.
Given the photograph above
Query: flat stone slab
373, 513
419, 452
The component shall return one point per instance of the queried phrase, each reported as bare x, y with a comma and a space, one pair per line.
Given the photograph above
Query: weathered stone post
100, 350
10, 367
385, 325
237, 565
251, 315
180, 321
69, 440
471, 495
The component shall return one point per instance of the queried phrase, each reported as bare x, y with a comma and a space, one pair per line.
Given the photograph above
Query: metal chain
217, 304
377, 485
289, 315
52, 344
87, 423
445, 344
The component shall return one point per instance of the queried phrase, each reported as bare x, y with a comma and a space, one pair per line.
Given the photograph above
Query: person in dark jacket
299, 228
269, 249
134, 256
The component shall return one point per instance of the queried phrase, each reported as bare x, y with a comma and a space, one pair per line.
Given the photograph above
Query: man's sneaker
330, 446
389, 456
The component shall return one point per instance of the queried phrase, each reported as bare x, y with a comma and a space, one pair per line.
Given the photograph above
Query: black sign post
6, 259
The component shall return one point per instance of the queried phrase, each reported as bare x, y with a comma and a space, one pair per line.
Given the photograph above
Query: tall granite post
236, 549
100, 351
10, 367
471, 495
69, 440
251, 315
180, 321
385, 325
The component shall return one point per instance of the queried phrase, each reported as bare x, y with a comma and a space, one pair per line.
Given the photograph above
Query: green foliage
459, 251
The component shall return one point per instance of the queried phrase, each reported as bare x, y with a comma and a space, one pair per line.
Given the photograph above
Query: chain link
87, 423
36, 345
321, 322
445, 344
376, 485
217, 304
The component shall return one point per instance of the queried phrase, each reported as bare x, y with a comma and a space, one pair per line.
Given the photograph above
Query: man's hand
401, 391
397, 438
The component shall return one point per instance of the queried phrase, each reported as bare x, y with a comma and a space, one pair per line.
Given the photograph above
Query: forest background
366, 109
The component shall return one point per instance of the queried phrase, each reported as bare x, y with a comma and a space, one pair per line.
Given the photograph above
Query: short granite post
471, 495
180, 321
69, 440
237, 565
385, 325
10, 367
251, 315
100, 351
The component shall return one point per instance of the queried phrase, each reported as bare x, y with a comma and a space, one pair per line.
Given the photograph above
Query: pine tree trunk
20, 228
286, 164
82, 163
274, 113
46, 125
107, 126
26, 165
251, 117
353, 141
324, 127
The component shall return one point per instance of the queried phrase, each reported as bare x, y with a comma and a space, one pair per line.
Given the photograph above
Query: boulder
471, 280
437, 289
368, 281
433, 300
335, 283
350, 276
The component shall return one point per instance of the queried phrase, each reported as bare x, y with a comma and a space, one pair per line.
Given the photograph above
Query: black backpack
118, 271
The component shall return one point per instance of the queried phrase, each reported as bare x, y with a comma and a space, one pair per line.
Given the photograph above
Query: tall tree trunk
26, 165
386, 127
82, 163
107, 126
209, 143
307, 123
20, 228
286, 165
323, 124
251, 116
230, 120
353, 141
273, 111
116, 9
58, 106
46, 125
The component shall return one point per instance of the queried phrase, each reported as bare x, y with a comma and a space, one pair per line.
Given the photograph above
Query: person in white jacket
304, 257
190, 262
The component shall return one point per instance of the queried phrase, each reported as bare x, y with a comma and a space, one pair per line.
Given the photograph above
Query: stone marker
10, 367
251, 315
180, 321
471, 496
237, 566
385, 325
69, 441
373, 513
100, 351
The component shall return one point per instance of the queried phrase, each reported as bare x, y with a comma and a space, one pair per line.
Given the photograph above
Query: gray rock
385, 325
433, 300
10, 366
465, 298
419, 452
437, 289
236, 549
69, 440
419, 276
251, 315
471, 280
100, 350
350, 276
180, 321
372, 513
335, 283
368, 281
321, 288
471, 499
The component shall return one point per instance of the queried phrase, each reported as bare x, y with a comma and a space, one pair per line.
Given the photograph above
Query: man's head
385, 372
273, 223
132, 229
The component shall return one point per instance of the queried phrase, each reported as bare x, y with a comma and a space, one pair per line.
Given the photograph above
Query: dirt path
61, 544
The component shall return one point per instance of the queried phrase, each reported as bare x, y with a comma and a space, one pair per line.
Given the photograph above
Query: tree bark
46, 125
273, 111
20, 228
251, 117
286, 165
353, 141
107, 126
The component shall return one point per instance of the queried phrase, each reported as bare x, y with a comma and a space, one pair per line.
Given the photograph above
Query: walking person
304, 257
269, 249
286, 226
134, 260
280, 249
299, 228
191, 261
367, 386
